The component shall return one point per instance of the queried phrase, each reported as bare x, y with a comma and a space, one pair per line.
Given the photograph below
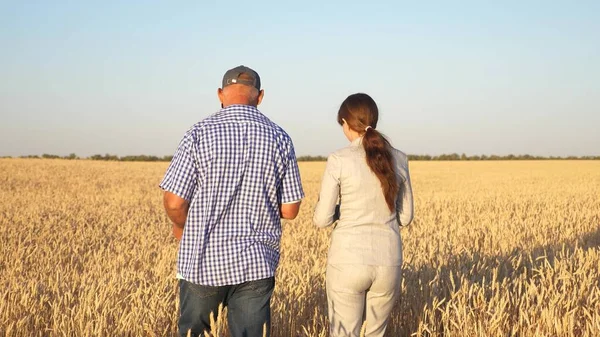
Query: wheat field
496, 249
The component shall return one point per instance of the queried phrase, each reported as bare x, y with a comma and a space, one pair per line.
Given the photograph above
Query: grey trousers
358, 293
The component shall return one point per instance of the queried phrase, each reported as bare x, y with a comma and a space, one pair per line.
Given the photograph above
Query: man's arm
291, 192
289, 211
180, 183
177, 210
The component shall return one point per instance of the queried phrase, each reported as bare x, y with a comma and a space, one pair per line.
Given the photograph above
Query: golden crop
496, 249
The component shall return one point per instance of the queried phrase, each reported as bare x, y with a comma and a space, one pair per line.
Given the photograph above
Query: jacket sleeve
325, 211
404, 202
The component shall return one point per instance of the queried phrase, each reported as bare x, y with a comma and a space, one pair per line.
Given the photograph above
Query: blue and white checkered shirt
235, 168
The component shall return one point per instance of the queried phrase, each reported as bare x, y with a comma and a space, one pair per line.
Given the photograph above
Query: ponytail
381, 162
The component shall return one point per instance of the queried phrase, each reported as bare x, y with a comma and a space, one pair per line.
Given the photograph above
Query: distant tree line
142, 157
49, 156
106, 157
456, 156
311, 158
414, 157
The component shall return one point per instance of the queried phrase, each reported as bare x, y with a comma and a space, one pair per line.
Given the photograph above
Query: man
232, 178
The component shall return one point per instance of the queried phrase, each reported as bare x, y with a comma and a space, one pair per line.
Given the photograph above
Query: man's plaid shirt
235, 168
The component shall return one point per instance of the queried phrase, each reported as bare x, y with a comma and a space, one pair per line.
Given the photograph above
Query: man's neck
238, 101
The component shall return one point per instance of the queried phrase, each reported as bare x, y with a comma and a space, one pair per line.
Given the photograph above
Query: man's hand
177, 209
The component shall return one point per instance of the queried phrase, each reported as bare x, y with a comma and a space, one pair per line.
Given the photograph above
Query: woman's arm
330, 190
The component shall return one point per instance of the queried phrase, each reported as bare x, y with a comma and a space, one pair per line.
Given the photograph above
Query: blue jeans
248, 307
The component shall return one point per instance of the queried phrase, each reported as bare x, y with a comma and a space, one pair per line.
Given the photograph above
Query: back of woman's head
361, 113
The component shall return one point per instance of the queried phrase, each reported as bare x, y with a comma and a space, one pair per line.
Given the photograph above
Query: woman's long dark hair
361, 113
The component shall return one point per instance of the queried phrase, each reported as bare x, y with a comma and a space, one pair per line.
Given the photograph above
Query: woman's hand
336, 213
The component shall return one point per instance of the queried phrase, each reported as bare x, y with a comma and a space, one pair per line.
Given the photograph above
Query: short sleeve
291, 184
181, 176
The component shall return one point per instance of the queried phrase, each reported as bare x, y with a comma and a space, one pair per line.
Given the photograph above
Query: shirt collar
240, 107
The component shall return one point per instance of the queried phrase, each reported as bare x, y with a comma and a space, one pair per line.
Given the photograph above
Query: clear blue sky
130, 77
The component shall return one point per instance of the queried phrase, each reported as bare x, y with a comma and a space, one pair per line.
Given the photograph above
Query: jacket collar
357, 141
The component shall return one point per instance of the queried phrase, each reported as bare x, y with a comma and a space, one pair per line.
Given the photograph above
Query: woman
370, 180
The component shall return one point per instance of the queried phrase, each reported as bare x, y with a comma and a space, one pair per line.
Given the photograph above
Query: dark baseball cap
232, 76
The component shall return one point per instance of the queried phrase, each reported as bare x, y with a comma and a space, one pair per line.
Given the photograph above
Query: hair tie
367, 128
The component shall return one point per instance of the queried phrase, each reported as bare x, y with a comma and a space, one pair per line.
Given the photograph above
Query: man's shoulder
200, 126
278, 130
212, 118
194, 130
